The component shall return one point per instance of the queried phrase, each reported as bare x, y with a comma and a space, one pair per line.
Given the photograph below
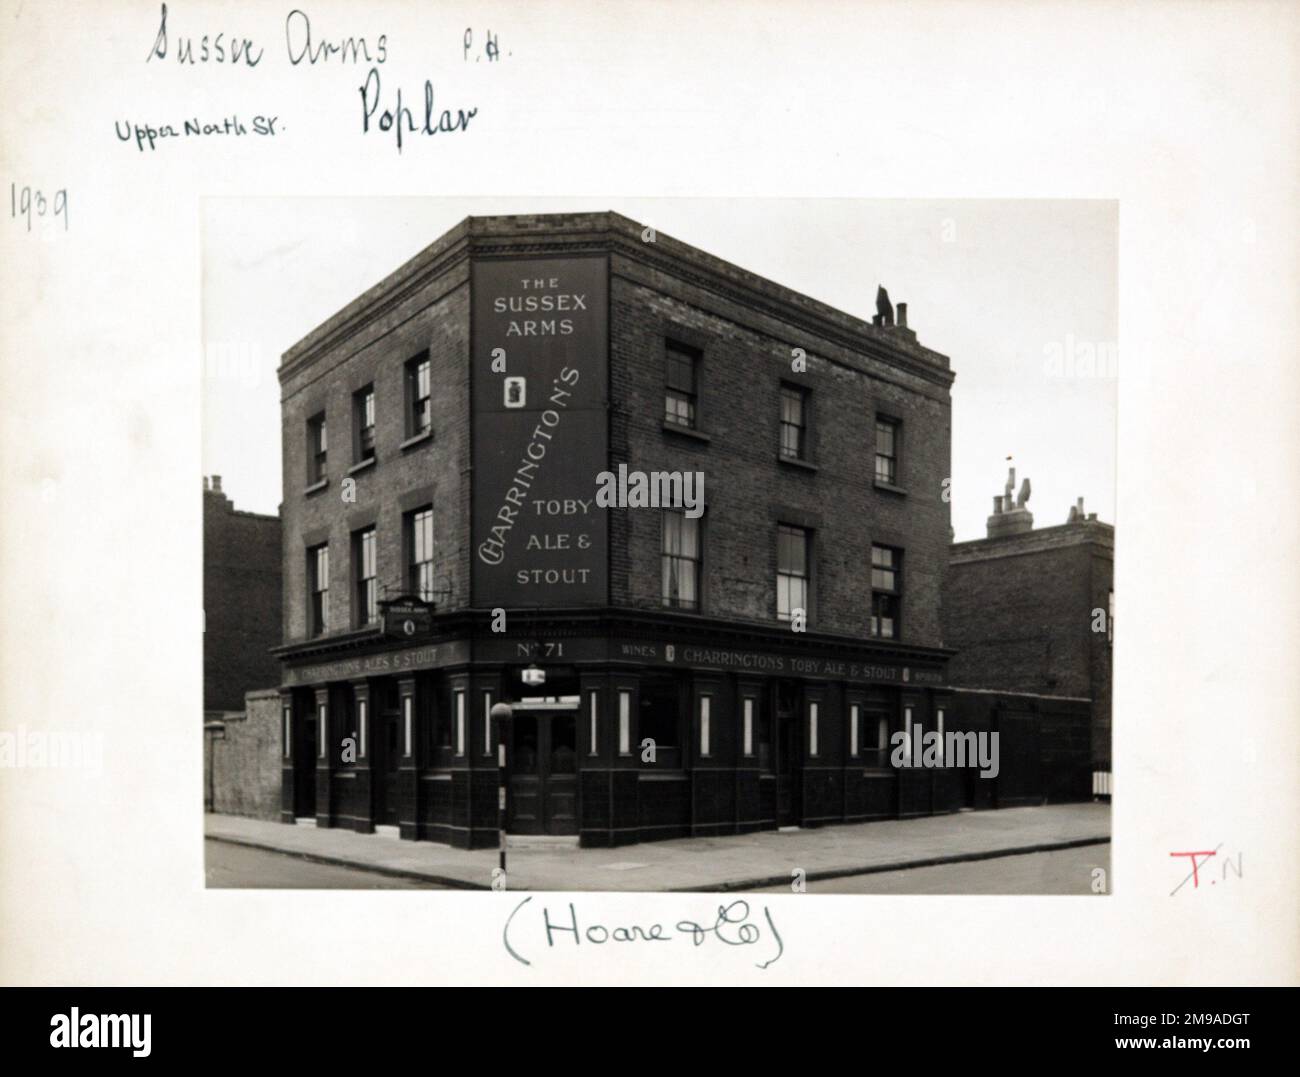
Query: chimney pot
216, 484
901, 313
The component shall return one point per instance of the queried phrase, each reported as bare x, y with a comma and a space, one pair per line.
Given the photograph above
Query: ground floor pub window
660, 722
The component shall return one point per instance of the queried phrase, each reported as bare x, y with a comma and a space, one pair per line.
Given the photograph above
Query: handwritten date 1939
26, 202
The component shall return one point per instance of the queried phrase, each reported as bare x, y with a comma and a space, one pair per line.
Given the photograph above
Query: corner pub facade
443, 549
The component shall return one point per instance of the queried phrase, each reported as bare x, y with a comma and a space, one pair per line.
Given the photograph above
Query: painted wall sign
693, 656
378, 665
786, 665
540, 432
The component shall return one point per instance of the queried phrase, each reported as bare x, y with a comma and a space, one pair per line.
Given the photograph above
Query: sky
1022, 296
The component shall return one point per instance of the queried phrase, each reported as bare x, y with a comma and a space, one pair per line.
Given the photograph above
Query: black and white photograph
567, 554
640, 493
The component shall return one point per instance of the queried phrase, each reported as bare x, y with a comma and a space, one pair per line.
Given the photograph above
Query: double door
543, 773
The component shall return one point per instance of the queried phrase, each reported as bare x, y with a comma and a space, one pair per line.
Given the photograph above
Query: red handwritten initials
1195, 878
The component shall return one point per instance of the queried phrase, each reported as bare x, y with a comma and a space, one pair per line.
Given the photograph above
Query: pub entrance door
789, 756
304, 759
543, 765
388, 756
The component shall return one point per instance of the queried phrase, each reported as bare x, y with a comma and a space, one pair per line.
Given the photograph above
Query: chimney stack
1008, 517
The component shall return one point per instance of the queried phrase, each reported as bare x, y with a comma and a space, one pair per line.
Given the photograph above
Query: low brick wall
241, 758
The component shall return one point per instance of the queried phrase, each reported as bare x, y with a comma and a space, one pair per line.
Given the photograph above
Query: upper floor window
367, 607
419, 545
791, 571
419, 402
887, 446
794, 422
680, 385
316, 447
363, 405
318, 589
886, 591
681, 560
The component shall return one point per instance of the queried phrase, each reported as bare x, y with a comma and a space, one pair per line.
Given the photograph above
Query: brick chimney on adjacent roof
213, 492
1010, 517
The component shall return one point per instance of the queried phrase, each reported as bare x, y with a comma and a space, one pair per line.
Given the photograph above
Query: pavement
737, 862
1059, 872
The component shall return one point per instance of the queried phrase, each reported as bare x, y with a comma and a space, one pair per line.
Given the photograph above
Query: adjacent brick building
443, 550
241, 601
1028, 612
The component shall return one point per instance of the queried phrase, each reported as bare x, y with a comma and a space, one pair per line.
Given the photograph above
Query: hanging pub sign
407, 617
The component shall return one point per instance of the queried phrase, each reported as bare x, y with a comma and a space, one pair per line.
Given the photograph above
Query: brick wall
745, 326
434, 316
1019, 611
746, 356
241, 601
1101, 651
241, 761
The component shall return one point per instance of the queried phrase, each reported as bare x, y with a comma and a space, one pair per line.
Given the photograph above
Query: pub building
670, 673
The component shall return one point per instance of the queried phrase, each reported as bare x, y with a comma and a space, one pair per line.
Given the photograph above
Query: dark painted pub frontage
748, 734
673, 669
641, 729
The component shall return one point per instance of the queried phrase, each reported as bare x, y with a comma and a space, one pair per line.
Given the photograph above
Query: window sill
316, 487
412, 441
796, 462
890, 488
688, 432
362, 465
